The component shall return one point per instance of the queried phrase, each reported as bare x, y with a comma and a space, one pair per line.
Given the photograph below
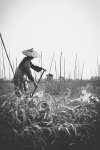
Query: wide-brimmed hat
31, 53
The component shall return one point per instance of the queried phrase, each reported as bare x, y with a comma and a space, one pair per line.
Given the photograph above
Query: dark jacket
24, 69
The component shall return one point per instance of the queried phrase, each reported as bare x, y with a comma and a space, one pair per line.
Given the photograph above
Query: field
60, 115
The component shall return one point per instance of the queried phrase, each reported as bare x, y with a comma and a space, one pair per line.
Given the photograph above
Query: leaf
67, 131
4, 103
18, 121
11, 110
59, 128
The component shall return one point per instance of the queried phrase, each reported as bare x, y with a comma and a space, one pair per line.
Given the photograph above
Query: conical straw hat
31, 53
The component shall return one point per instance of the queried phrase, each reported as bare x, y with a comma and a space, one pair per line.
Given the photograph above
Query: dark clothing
25, 66
23, 69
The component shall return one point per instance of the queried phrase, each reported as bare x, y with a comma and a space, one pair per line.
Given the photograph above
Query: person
24, 70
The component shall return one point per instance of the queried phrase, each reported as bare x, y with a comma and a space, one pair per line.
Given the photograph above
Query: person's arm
36, 68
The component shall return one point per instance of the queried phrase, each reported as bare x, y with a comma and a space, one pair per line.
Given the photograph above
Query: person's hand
44, 70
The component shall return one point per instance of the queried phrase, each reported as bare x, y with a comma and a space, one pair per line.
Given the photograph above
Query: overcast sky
70, 26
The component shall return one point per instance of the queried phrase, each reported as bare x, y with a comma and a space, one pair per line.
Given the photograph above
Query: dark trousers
20, 85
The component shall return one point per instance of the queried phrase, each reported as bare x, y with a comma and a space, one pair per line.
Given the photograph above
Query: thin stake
9, 68
97, 63
6, 53
55, 69
13, 66
64, 68
82, 70
99, 70
51, 62
75, 69
3, 63
78, 69
60, 65
38, 82
2, 73
16, 63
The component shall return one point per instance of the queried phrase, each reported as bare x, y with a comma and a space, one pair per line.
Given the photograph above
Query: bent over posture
24, 69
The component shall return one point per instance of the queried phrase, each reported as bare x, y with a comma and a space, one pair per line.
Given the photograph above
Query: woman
24, 70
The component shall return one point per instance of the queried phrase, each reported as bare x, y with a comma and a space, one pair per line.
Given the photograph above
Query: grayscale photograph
49, 74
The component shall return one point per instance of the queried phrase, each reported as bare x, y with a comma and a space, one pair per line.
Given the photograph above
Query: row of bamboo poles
2, 62
77, 74
3, 70
13, 66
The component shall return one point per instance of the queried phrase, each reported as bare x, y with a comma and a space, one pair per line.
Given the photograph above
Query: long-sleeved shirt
24, 68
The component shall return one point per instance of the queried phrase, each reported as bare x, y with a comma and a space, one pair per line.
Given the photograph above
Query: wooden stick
60, 64
9, 68
6, 53
55, 69
75, 69
38, 82
82, 70
13, 66
97, 63
16, 63
2, 73
64, 68
78, 69
3, 63
51, 62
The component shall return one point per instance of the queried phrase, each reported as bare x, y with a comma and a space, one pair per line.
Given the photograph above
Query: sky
52, 26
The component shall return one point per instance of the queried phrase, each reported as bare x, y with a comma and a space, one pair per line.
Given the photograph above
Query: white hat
31, 53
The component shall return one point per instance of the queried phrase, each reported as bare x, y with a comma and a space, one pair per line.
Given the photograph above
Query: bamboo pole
2, 73
82, 70
56, 69
64, 68
13, 66
3, 64
51, 62
60, 65
99, 70
9, 68
78, 69
75, 69
97, 63
16, 63
6, 53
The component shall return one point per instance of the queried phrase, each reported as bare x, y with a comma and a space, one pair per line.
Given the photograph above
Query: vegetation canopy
49, 120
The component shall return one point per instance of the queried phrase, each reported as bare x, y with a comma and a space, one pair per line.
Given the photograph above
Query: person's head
31, 53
